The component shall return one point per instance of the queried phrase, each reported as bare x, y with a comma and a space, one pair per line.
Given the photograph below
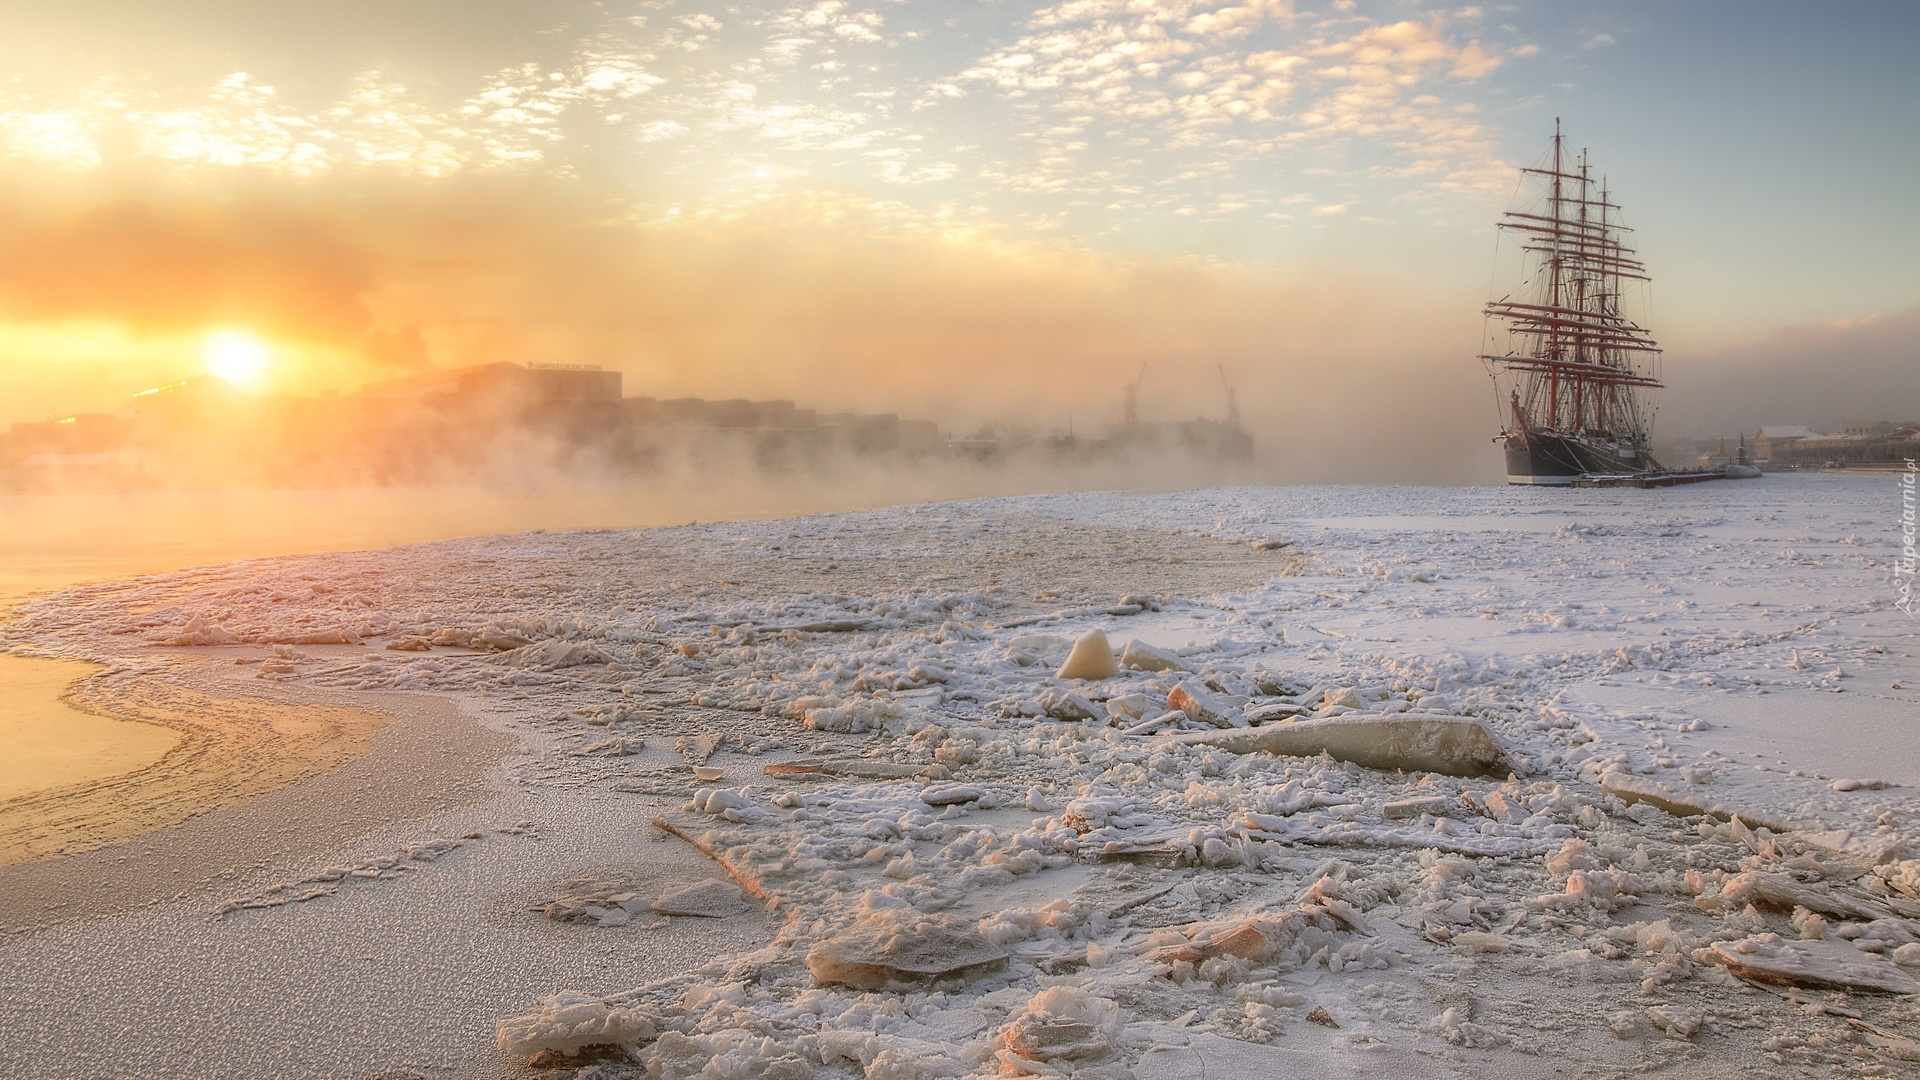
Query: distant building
1871, 429
1861, 443
535, 382
1774, 440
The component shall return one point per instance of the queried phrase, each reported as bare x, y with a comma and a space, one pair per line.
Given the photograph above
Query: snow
1460, 776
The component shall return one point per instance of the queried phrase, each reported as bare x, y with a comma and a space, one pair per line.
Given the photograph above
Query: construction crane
1131, 413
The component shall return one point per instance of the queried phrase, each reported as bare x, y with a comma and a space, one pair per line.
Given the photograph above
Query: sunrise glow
236, 357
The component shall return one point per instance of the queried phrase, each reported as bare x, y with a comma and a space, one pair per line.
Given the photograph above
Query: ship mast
1580, 365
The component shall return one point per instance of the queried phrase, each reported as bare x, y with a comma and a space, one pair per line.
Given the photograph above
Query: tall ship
1578, 376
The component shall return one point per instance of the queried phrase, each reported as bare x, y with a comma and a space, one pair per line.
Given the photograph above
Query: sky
977, 209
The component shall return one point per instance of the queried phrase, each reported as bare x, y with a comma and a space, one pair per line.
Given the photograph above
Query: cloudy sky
852, 196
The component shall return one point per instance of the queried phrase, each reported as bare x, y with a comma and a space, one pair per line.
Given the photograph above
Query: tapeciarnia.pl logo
1903, 568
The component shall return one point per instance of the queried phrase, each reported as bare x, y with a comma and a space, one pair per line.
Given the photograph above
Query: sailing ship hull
1553, 459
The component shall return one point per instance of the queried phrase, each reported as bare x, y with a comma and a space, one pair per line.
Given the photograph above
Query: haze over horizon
966, 212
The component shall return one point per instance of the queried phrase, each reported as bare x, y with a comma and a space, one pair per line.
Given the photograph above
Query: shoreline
48, 744
432, 757
229, 748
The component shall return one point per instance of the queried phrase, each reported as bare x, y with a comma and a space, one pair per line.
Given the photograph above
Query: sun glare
236, 357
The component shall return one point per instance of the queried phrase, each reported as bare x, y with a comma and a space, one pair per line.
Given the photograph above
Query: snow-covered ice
992, 789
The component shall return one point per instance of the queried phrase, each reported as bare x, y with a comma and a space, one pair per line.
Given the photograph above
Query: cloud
159, 270
515, 116
1221, 85
1597, 41
826, 21
1087, 117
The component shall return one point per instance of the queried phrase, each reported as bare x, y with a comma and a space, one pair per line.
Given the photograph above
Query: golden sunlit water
56, 540
45, 743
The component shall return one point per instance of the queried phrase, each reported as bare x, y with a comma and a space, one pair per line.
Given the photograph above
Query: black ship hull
1554, 459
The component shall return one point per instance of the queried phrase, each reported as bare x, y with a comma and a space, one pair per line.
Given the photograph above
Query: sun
236, 357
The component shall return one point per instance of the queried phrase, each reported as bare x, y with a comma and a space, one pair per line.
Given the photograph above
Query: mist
1817, 375
834, 305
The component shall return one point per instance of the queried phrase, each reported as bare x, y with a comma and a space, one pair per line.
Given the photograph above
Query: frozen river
1703, 699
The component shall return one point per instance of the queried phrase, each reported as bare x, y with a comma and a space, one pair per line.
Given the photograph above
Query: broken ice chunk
1061, 706
1504, 808
1875, 848
1631, 789
1778, 890
1271, 710
1255, 939
1141, 656
1091, 658
950, 794
1436, 805
1171, 716
1767, 958
569, 1022
202, 631
698, 748
895, 946
736, 806
548, 655
1199, 704
498, 640
1345, 697
1851, 784
1480, 941
853, 717
1063, 1022
929, 673
1675, 1021
1454, 745
712, 899
1090, 812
